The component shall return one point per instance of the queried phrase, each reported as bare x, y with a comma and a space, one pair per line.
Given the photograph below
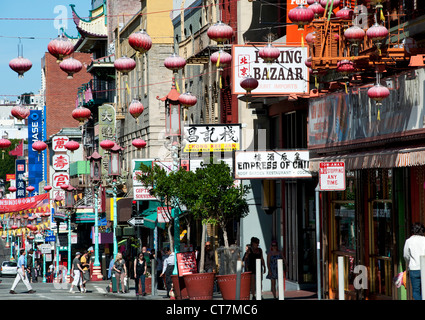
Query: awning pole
319, 276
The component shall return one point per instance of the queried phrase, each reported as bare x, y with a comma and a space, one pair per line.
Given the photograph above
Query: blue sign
20, 182
35, 159
50, 239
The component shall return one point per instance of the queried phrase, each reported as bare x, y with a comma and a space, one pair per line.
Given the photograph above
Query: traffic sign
135, 221
332, 176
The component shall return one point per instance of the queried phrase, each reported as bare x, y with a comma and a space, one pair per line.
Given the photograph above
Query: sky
31, 19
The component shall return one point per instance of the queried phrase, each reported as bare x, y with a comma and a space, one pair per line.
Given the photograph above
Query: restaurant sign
272, 164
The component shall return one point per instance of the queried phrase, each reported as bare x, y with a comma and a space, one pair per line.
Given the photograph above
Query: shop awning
390, 158
150, 216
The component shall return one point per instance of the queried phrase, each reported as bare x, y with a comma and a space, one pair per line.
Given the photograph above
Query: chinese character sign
60, 162
58, 143
288, 74
20, 182
59, 179
212, 138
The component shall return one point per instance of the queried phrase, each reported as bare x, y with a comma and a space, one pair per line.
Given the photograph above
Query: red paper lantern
301, 16
249, 83
14, 227
30, 188
310, 38
221, 59
63, 187
269, 53
124, 65
377, 33
20, 112
107, 144
5, 143
345, 14
72, 145
47, 188
317, 9
187, 99
345, 67
136, 109
140, 41
354, 34
220, 32
81, 114
139, 143
174, 63
20, 65
12, 189
335, 3
71, 66
60, 48
308, 62
378, 93
39, 146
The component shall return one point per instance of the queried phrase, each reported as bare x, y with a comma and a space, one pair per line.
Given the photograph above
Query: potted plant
214, 198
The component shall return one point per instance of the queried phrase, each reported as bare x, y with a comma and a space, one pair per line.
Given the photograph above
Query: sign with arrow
135, 221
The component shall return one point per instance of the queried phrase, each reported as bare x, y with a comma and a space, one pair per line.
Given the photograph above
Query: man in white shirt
167, 269
414, 248
21, 275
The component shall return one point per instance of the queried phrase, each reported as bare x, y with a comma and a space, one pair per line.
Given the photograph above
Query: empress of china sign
273, 164
288, 74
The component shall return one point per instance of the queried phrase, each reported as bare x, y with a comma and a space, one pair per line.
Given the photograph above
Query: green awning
150, 216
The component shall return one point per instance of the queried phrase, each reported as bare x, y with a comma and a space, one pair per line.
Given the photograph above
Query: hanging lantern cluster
71, 66
136, 109
140, 41
345, 14
81, 114
60, 48
317, 9
20, 112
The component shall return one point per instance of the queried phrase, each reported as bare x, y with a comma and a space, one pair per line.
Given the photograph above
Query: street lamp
96, 179
69, 205
114, 170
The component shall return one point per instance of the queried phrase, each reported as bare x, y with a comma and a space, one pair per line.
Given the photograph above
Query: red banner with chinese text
36, 204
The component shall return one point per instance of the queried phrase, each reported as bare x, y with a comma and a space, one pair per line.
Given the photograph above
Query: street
60, 291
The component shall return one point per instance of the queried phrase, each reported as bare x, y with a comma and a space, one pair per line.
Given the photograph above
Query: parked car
8, 268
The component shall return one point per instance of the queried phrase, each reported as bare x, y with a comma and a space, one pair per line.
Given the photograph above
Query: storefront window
344, 218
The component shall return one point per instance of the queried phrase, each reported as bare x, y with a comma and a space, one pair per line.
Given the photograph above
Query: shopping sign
162, 214
287, 75
140, 192
332, 176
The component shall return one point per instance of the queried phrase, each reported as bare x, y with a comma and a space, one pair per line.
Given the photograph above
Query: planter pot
200, 286
179, 288
227, 285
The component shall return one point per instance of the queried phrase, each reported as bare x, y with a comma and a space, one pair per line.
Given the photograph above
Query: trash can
114, 283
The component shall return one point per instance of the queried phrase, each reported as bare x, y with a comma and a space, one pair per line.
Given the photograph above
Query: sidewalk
160, 294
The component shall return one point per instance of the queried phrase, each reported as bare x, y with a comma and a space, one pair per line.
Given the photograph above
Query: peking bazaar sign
21, 204
287, 75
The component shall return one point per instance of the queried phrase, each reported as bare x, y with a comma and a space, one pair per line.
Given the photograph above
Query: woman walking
272, 257
120, 271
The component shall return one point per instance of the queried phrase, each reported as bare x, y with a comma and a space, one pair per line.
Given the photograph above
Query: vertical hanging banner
20, 182
106, 131
35, 159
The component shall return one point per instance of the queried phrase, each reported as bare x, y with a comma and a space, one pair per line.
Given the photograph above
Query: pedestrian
21, 274
77, 271
255, 252
148, 257
85, 265
30, 266
167, 270
140, 269
209, 258
245, 257
414, 248
120, 271
272, 257
159, 264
